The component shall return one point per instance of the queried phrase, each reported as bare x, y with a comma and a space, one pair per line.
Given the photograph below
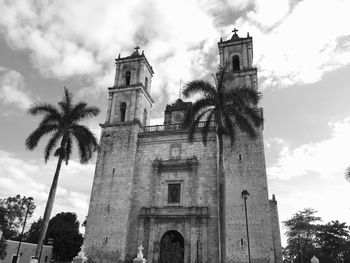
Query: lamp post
29, 204
245, 196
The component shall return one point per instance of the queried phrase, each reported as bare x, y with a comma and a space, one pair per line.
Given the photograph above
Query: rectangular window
174, 191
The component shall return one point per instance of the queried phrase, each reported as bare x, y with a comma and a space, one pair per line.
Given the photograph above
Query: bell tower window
127, 78
235, 63
122, 107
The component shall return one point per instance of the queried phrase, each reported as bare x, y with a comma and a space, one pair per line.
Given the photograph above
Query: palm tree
62, 124
229, 108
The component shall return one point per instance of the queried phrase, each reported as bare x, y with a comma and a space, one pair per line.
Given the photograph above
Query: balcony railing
172, 127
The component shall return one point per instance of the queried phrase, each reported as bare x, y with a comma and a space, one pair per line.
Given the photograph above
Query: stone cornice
188, 164
118, 124
175, 212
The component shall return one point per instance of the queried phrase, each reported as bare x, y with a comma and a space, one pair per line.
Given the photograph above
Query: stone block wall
107, 222
150, 188
245, 170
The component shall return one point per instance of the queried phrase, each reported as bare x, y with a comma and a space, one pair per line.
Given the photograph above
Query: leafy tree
231, 108
301, 232
3, 246
62, 123
12, 213
333, 241
32, 236
64, 229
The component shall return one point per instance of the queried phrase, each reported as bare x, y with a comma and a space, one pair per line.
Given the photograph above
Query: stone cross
235, 30
139, 252
137, 48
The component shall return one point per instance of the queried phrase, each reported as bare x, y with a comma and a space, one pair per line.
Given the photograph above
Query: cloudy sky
301, 49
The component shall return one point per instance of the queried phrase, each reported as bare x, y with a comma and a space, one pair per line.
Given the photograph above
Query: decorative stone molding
175, 212
189, 164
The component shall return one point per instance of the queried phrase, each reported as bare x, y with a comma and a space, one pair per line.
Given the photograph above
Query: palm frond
194, 124
199, 86
229, 128
206, 127
347, 174
87, 142
255, 115
82, 111
51, 144
68, 148
195, 109
50, 119
249, 95
221, 77
43, 108
34, 138
66, 103
245, 125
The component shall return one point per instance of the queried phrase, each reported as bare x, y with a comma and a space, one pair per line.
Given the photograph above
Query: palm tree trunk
222, 201
48, 209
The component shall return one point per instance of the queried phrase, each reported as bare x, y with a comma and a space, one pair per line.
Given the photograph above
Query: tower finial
235, 30
137, 48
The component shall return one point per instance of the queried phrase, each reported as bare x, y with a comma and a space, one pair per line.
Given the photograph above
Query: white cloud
293, 44
81, 37
12, 89
30, 178
299, 46
328, 158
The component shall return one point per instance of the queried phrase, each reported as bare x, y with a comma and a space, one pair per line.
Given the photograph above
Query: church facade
154, 188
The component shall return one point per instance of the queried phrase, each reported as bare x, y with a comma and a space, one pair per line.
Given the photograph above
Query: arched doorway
171, 248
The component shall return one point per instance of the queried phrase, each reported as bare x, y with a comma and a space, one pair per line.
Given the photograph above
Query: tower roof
136, 55
136, 52
179, 105
235, 38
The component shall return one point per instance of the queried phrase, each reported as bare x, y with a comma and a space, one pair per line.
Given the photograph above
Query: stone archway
172, 248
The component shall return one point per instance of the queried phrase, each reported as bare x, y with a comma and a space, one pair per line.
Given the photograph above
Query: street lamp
245, 196
29, 204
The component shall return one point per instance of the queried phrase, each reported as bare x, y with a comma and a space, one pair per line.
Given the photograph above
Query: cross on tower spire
137, 48
235, 31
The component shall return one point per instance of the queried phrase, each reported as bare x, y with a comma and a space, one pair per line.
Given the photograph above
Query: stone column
193, 237
108, 117
132, 112
221, 53
151, 240
245, 57
117, 75
155, 175
204, 240
113, 116
141, 76
250, 55
141, 230
192, 163
138, 104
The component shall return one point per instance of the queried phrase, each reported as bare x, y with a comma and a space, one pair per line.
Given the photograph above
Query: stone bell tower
129, 105
257, 232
